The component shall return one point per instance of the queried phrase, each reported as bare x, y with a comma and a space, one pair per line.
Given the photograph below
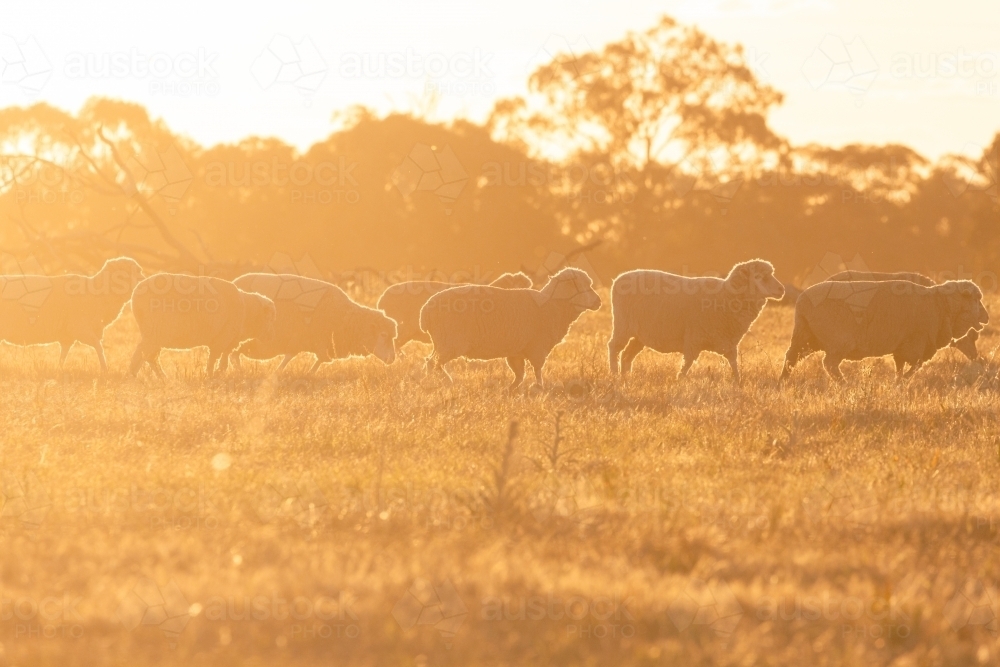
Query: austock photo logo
710, 604
840, 65
857, 296
558, 47
432, 604
430, 169
25, 282
454, 73
300, 501
24, 499
967, 177
176, 74
974, 605
148, 604
155, 172
23, 64
714, 174
286, 62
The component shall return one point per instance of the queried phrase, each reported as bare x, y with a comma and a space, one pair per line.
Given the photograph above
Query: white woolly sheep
486, 322
403, 301
671, 313
182, 312
36, 310
966, 344
856, 320
318, 317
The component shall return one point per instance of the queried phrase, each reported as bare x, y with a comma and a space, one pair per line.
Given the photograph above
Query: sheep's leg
213, 357
236, 356
137, 360
284, 362
536, 365
689, 358
153, 357
900, 365
832, 366
615, 346
100, 357
63, 351
441, 368
631, 350
516, 364
732, 358
224, 361
913, 369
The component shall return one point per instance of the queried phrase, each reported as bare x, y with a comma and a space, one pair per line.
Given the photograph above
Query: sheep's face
967, 345
368, 331
758, 279
965, 303
512, 281
383, 330
575, 286
259, 316
124, 271
117, 278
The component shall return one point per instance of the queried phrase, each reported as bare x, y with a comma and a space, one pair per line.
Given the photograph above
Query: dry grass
661, 522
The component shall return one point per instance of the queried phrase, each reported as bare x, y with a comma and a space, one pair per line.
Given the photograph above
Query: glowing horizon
846, 76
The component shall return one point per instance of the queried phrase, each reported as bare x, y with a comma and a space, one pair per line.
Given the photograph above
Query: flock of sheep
263, 315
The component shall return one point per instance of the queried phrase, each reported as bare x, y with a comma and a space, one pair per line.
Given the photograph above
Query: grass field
372, 516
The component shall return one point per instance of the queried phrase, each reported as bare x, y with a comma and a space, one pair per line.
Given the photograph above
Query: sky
924, 73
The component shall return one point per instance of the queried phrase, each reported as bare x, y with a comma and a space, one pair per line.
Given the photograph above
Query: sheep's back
482, 322
181, 311
45, 309
868, 318
302, 307
658, 307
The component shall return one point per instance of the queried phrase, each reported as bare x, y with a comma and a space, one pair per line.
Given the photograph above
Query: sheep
671, 313
486, 322
182, 312
403, 301
966, 344
318, 317
855, 276
37, 310
864, 319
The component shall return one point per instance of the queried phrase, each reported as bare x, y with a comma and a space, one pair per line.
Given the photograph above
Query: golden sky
921, 72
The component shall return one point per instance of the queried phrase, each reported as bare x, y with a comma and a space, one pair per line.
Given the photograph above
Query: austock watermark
286, 62
53, 616
23, 63
979, 68
296, 617
456, 73
578, 616
837, 64
305, 182
877, 618
174, 74
600, 183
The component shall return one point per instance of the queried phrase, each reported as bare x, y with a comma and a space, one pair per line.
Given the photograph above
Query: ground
373, 516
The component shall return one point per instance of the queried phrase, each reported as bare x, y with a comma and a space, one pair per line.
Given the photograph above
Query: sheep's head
259, 315
118, 276
367, 331
512, 281
965, 305
755, 279
967, 345
574, 286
